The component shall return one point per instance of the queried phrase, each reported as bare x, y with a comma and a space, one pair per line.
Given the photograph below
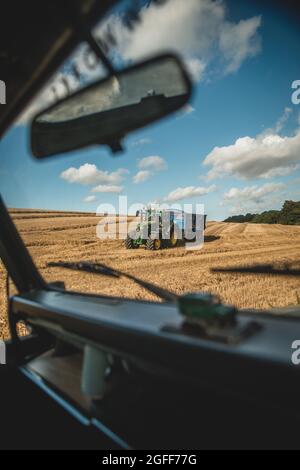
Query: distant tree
267, 217
249, 217
288, 215
240, 219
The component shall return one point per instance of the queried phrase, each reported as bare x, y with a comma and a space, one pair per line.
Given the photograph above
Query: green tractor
159, 229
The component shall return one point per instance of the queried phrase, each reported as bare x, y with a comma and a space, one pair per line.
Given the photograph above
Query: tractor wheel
154, 244
175, 238
129, 245
173, 242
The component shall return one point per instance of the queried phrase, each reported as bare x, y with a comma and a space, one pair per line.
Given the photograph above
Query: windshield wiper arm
259, 269
103, 270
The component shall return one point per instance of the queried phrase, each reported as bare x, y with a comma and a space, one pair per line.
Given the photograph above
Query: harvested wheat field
56, 236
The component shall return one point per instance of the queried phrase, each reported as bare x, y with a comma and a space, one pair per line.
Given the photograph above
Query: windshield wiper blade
259, 269
103, 270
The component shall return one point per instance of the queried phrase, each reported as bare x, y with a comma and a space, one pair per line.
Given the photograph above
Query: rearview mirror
106, 111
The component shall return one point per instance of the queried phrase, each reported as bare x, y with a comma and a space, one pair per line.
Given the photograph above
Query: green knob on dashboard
201, 307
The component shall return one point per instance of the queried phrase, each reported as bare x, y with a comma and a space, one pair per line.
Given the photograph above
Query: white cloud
187, 109
279, 124
142, 176
254, 198
199, 31
253, 193
89, 174
196, 68
105, 188
152, 163
141, 142
281, 171
265, 156
239, 41
188, 192
148, 166
89, 199
283, 119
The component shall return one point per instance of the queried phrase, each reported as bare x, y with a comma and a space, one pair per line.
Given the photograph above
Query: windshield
230, 159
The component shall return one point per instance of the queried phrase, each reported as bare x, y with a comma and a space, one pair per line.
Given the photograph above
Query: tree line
288, 215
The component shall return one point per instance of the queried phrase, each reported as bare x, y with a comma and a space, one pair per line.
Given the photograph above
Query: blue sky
243, 79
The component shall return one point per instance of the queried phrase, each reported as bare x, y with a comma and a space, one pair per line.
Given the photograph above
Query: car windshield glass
212, 188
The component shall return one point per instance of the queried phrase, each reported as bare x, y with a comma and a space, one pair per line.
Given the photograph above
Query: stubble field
55, 236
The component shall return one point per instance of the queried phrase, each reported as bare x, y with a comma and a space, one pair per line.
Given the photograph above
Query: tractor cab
148, 215
155, 216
